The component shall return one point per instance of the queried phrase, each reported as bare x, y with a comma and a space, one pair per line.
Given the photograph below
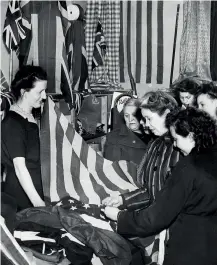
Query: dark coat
123, 144
187, 204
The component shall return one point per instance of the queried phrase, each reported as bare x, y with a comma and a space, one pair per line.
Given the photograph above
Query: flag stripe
149, 42
138, 40
129, 38
121, 45
160, 46
92, 177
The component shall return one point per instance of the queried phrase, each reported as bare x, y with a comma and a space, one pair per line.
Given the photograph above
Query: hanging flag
99, 47
146, 42
15, 25
70, 167
4, 84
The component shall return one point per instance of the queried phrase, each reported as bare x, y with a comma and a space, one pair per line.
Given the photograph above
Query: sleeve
14, 140
169, 203
136, 200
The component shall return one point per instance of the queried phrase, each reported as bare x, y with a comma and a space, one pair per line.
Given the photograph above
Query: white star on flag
73, 208
71, 201
86, 206
59, 203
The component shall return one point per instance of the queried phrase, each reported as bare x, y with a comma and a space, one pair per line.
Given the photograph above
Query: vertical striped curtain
213, 41
146, 42
108, 12
195, 41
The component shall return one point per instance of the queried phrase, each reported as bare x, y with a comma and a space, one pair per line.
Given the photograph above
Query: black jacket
123, 144
187, 204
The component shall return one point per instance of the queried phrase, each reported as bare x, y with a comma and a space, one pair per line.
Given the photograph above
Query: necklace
23, 113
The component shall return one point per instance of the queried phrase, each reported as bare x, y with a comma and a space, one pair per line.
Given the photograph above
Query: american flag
99, 47
146, 42
72, 168
15, 25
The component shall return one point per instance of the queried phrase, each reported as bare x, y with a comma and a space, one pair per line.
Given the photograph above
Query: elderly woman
187, 204
20, 138
128, 142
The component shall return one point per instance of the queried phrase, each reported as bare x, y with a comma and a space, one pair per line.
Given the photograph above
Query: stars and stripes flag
71, 168
99, 47
15, 25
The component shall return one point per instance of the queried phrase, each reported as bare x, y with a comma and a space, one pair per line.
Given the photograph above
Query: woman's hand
111, 213
114, 201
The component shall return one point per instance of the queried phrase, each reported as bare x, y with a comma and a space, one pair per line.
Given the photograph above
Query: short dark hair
208, 89
189, 84
158, 101
25, 78
192, 120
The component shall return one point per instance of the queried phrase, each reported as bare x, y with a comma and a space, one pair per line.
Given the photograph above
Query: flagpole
10, 68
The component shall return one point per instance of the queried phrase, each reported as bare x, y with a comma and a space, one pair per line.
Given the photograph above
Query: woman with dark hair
129, 141
186, 90
187, 204
207, 99
20, 138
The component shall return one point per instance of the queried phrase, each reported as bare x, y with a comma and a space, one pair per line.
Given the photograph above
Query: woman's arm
26, 181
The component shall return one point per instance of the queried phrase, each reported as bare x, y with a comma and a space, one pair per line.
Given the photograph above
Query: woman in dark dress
187, 204
20, 139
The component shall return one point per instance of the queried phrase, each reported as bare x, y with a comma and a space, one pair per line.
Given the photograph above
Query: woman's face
185, 144
37, 94
207, 104
186, 98
155, 122
129, 116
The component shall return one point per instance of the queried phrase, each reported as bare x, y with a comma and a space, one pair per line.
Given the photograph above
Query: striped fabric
71, 168
146, 41
109, 14
11, 252
195, 41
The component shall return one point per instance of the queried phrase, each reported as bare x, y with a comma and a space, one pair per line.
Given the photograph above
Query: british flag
15, 25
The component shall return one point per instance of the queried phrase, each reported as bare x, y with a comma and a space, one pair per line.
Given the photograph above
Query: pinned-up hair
158, 101
25, 78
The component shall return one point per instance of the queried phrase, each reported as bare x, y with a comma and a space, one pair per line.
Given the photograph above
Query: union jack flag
99, 47
15, 25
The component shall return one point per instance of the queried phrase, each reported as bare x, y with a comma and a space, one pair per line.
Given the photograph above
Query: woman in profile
187, 204
20, 139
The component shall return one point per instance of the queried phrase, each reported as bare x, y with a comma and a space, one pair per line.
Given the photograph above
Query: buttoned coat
123, 144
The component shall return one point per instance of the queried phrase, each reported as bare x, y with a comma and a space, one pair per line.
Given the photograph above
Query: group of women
174, 147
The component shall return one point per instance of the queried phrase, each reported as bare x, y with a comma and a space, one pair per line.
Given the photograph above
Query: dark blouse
20, 138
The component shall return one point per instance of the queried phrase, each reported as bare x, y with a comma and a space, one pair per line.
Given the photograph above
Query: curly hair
188, 84
25, 78
192, 120
158, 101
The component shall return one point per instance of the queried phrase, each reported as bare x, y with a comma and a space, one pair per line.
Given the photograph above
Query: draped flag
72, 168
15, 25
99, 47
